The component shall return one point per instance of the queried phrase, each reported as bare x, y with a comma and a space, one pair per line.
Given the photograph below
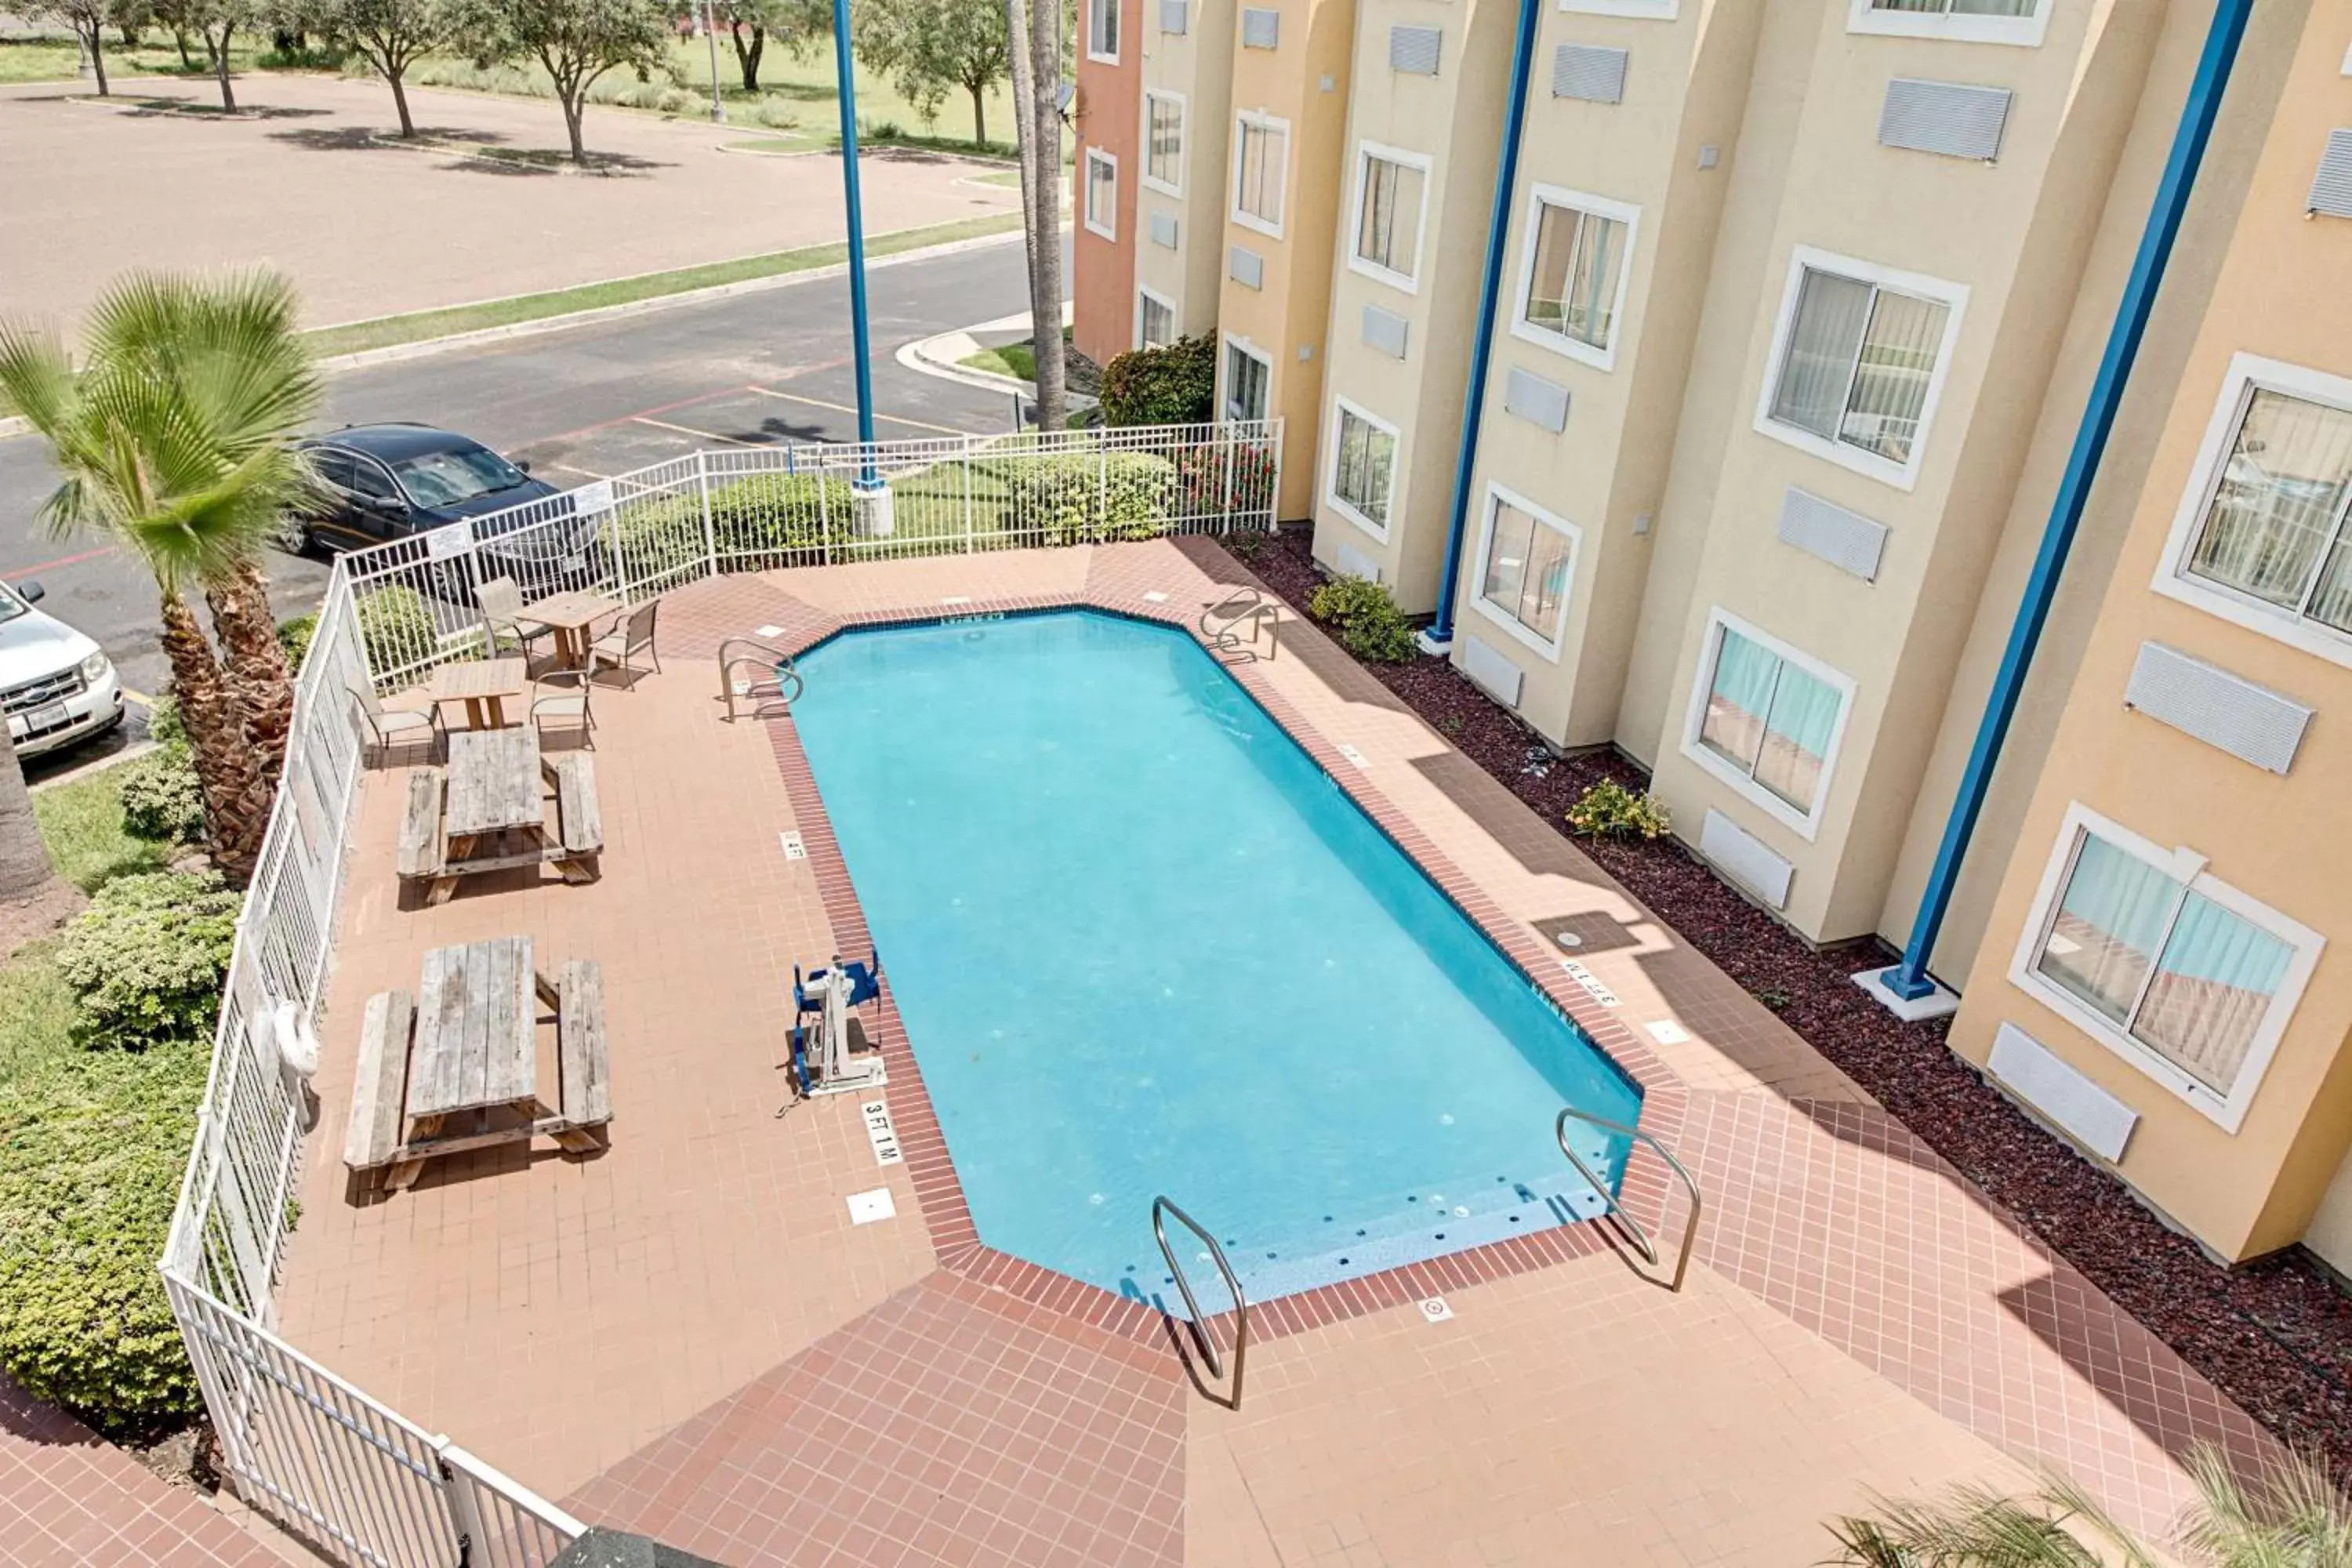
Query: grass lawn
82, 822
1015, 359
56, 60
36, 1011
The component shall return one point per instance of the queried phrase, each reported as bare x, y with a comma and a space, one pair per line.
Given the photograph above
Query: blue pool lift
830, 1051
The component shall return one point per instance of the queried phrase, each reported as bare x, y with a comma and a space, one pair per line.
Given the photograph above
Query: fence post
967, 496
1102, 484
823, 506
709, 533
1274, 489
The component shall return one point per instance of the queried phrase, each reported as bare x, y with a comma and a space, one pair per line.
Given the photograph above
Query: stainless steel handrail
1254, 608
1161, 1207
1616, 1211
765, 657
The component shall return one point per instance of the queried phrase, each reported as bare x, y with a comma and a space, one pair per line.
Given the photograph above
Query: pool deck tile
689, 1336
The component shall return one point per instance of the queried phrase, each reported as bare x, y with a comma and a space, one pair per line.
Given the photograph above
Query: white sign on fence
448, 543
592, 498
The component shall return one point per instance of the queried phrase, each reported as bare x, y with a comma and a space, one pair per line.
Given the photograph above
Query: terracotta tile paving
952, 1424
1858, 1316
67, 1500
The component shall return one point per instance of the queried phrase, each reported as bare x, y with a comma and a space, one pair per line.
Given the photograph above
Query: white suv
56, 685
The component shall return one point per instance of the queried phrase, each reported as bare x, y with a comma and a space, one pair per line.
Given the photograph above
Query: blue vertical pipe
845, 76
1490, 289
1908, 979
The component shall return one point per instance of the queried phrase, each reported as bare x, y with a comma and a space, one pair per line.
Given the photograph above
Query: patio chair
501, 601
635, 635
388, 725
562, 695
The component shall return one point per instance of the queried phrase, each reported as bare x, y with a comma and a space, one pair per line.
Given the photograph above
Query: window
1155, 319
1102, 31
1364, 466
1859, 358
1391, 188
2189, 979
1163, 143
1248, 377
1959, 21
1526, 569
2264, 536
1573, 274
1766, 718
1102, 193
1261, 158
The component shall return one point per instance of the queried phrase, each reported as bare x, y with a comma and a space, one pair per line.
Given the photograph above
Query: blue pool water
1143, 944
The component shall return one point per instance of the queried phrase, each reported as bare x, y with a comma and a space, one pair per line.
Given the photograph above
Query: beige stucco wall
1288, 314
2281, 293
1198, 65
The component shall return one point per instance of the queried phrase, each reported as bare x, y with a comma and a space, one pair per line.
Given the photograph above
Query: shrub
163, 724
777, 113
161, 797
1174, 384
1370, 624
396, 627
294, 636
1219, 478
1074, 498
91, 1148
146, 959
1609, 810
762, 514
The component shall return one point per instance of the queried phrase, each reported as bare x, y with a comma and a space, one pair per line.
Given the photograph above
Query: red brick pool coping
947, 1214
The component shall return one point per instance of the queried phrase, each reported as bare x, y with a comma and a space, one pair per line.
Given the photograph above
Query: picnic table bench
456, 1070
487, 811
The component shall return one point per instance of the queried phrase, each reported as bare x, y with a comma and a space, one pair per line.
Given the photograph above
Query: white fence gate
353, 1477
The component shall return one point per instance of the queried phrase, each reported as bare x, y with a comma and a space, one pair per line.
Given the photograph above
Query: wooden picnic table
570, 615
460, 1068
483, 685
489, 812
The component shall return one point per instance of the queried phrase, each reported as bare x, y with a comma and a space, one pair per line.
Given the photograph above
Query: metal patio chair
635, 635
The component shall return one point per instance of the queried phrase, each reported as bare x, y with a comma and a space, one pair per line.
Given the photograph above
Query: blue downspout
1490, 288
845, 76
1908, 979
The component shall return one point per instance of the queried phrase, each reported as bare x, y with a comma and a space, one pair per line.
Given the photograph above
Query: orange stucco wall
1109, 119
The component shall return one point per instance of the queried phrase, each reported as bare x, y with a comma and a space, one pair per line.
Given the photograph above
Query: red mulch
2275, 1335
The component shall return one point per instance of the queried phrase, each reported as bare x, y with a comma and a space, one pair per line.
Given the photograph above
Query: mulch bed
2275, 1335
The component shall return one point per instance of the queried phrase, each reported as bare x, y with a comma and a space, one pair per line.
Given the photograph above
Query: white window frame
1175, 313
1331, 495
2186, 866
1183, 141
2025, 32
1539, 198
1094, 9
1365, 152
2247, 372
1807, 824
1647, 10
1226, 342
1953, 297
1086, 196
1264, 121
1549, 648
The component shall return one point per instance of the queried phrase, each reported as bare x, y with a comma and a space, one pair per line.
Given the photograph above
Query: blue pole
845, 76
1908, 979
1490, 289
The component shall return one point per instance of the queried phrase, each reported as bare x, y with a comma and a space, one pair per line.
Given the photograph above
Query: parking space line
844, 408
691, 430
575, 468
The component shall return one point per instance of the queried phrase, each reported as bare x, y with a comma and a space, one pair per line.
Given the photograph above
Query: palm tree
174, 436
2291, 1515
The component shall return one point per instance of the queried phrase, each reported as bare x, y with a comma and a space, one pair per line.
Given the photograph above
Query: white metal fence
359, 1481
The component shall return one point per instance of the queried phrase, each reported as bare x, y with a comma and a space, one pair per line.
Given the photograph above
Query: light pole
710, 35
870, 482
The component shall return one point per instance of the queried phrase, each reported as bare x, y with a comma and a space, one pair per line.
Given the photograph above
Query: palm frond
2290, 1512
1967, 1527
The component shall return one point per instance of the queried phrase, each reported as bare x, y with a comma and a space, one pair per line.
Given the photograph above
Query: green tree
88, 20
390, 34
2291, 1515
932, 46
174, 436
575, 41
795, 26
217, 22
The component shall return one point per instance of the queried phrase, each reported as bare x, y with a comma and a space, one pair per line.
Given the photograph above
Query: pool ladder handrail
1251, 607
765, 657
1161, 1207
1612, 1208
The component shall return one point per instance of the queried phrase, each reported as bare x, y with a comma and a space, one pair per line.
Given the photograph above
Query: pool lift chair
830, 1052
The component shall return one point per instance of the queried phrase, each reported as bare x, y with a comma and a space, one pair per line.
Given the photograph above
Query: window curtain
2280, 500
2212, 987
1823, 342
1960, 7
1507, 558
1547, 304
1167, 138
1376, 236
1549, 551
1592, 303
2104, 936
1365, 457
1102, 192
1797, 736
1264, 151
1890, 383
1739, 700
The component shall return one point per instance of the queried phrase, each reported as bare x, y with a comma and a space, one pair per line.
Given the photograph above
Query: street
582, 403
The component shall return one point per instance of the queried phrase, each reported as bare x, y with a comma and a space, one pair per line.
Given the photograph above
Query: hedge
763, 513
92, 1149
397, 628
146, 959
161, 797
1368, 623
1172, 385
1075, 498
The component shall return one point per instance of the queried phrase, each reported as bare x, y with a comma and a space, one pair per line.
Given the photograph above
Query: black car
387, 482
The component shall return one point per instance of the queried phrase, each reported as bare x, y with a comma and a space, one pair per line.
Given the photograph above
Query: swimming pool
1142, 945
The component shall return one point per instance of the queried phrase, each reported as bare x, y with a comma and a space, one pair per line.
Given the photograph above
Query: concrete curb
940, 357
425, 348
